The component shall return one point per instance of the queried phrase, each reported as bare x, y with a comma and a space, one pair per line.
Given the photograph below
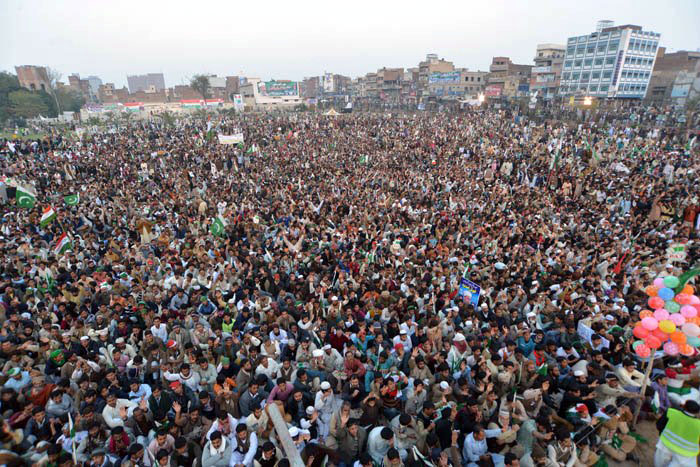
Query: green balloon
671, 282
636, 343
672, 307
693, 341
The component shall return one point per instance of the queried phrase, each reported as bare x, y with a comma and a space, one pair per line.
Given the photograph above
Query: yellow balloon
667, 326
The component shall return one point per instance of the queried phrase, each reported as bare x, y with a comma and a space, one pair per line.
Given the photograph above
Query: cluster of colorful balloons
674, 323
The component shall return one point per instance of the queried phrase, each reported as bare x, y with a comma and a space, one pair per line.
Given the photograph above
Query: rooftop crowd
333, 291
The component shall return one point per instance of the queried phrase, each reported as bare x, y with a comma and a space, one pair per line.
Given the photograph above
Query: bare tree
54, 77
200, 83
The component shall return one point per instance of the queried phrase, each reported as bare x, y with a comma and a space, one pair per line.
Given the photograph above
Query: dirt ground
644, 451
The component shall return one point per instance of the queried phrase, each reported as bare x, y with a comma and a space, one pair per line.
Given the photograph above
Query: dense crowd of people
207, 296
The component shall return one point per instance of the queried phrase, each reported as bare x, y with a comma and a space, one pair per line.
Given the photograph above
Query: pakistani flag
592, 149
555, 156
48, 216
217, 226
542, 369
63, 244
364, 159
72, 200
25, 198
71, 429
691, 143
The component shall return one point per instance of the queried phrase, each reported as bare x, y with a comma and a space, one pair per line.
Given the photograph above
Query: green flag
25, 198
72, 200
595, 155
217, 227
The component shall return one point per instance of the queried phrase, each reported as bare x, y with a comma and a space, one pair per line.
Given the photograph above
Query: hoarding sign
492, 91
278, 88
446, 77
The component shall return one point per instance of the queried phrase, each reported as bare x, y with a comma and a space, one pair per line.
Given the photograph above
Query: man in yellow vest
678, 443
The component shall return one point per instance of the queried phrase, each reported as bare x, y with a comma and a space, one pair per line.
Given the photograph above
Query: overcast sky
297, 38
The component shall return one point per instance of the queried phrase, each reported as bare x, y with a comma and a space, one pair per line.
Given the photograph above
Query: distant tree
168, 119
8, 84
201, 84
70, 100
54, 77
26, 104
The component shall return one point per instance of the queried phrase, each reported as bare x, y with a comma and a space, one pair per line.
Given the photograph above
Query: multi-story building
511, 78
82, 86
666, 69
109, 94
34, 78
613, 61
95, 83
455, 85
546, 73
155, 81
389, 84
686, 86
431, 64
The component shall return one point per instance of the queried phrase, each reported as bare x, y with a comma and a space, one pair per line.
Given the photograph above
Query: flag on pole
63, 244
595, 155
72, 200
691, 143
48, 216
364, 159
71, 429
555, 156
218, 226
25, 198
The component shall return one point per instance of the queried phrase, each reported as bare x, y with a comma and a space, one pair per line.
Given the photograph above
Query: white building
270, 94
614, 61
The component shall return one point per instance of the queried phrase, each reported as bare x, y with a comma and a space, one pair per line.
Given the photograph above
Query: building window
609, 60
567, 64
588, 62
585, 76
575, 76
478, 78
612, 47
601, 48
590, 49
593, 88
603, 88
565, 76
595, 75
580, 49
570, 50
607, 74
598, 61
578, 63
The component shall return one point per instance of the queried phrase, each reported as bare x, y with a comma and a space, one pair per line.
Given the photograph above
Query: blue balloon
666, 294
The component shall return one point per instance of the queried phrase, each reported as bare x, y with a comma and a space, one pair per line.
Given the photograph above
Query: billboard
681, 90
278, 88
492, 91
236, 138
446, 77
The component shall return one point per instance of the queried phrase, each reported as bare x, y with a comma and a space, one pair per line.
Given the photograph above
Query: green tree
70, 100
8, 84
200, 83
26, 104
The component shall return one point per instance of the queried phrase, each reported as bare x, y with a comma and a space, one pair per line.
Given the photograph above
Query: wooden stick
650, 365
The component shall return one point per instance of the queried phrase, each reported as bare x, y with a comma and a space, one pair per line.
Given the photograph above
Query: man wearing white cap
404, 339
325, 404
18, 379
458, 352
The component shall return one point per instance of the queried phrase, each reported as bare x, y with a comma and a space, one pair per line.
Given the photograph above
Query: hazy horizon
292, 40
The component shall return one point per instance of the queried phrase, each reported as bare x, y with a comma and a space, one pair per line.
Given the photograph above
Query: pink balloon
661, 314
678, 319
659, 282
694, 300
650, 323
671, 348
688, 311
642, 350
683, 299
656, 302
